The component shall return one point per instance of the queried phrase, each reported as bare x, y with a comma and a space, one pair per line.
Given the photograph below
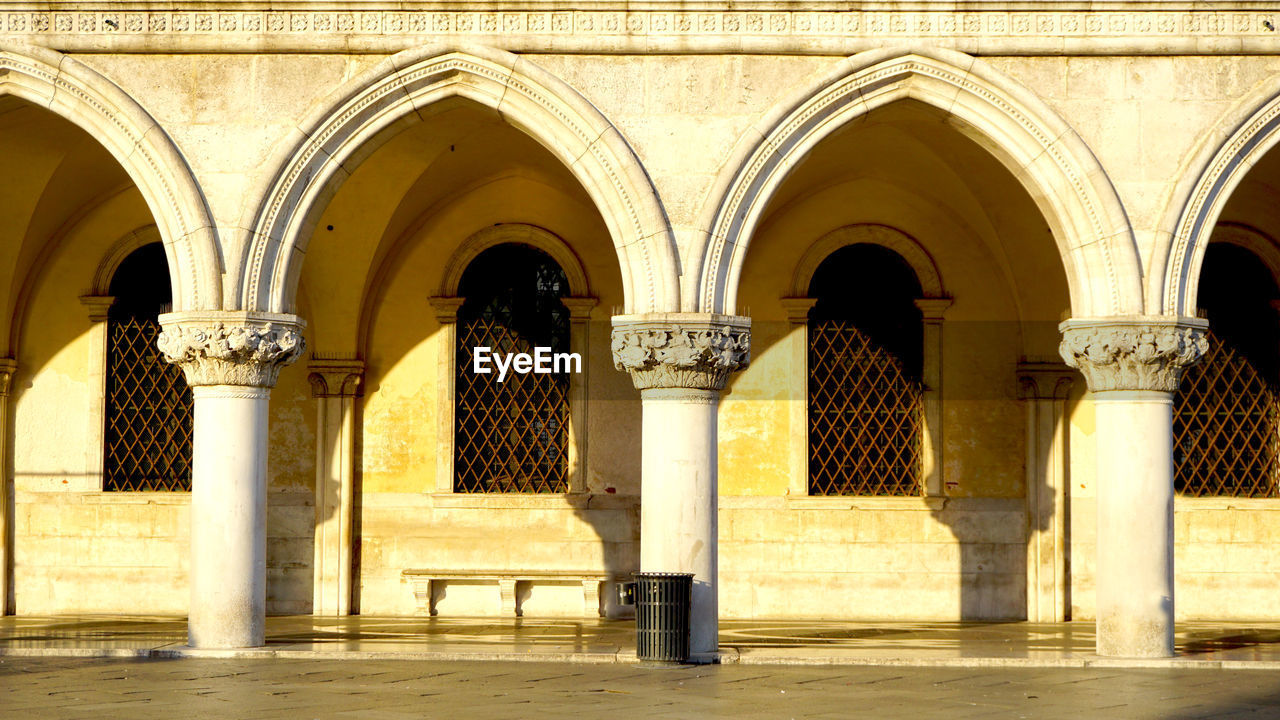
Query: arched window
511, 434
865, 363
1226, 416
147, 433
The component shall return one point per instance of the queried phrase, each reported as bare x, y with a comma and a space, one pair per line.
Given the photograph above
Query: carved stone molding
1135, 353
821, 20
8, 366
681, 350
336, 378
1044, 380
231, 348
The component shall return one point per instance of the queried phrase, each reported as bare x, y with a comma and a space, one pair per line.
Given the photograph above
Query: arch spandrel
406, 89
1052, 163
148, 155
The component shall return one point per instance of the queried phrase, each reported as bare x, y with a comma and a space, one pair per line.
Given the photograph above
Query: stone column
1132, 366
1044, 388
335, 384
7, 367
680, 363
231, 360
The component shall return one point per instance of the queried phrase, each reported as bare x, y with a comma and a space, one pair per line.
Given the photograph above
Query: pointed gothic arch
1218, 166
1050, 160
399, 92
82, 96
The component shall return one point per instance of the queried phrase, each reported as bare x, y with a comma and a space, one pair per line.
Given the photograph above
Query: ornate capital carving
1133, 353
681, 350
336, 378
231, 348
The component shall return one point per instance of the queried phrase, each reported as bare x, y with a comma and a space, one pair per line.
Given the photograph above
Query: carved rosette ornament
1140, 353
246, 349
687, 350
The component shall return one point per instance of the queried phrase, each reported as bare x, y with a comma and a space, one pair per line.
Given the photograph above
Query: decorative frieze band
1147, 353
231, 348
1246, 19
687, 350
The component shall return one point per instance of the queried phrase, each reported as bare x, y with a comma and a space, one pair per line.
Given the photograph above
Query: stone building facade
726, 200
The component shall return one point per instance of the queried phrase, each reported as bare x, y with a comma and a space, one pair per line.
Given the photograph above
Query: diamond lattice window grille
1225, 423
148, 412
865, 416
511, 436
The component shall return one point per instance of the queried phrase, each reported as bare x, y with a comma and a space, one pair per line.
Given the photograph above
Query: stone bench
427, 582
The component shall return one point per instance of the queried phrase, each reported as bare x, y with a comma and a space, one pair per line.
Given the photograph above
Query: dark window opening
1226, 414
865, 360
511, 436
148, 418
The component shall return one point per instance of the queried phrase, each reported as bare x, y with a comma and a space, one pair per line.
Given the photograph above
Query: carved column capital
446, 308
1133, 353
335, 378
97, 305
231, 348
681, 350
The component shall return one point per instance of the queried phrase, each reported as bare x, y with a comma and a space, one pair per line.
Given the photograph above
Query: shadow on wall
497, 531
905, 558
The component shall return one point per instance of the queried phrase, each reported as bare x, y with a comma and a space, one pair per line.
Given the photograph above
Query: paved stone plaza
242, 688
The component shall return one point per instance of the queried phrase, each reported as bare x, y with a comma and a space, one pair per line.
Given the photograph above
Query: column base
1131, 637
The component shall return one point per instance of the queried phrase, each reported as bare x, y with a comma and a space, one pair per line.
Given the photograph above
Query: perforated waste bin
662, 616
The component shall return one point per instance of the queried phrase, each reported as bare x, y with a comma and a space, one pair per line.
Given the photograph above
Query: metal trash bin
662, 616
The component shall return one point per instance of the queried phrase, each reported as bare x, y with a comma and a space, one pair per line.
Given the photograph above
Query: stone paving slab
813, 643
197, 688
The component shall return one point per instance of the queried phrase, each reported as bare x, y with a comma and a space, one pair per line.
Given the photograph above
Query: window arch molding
933, 304
884, 236
121, 249
518, 233
447, 303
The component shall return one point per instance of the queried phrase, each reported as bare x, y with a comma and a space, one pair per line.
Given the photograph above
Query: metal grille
1225, 421
148, 412
512, 436
864, 416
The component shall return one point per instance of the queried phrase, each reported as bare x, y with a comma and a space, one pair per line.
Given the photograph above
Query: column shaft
229, 517
1133, 365
681, 362
1135, 523
678, 512
231, 361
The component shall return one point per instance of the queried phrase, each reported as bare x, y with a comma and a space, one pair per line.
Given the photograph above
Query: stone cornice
817, 27
1133, 353
681, 350
231, 348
